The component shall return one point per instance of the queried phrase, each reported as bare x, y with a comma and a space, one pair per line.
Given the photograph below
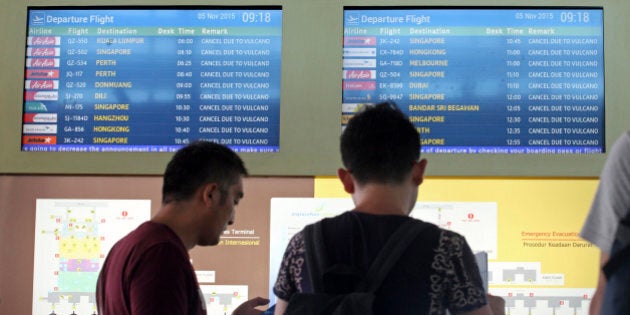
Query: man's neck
174, 216
383, 199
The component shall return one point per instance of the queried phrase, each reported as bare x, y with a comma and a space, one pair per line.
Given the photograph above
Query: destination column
428, 78
117, 58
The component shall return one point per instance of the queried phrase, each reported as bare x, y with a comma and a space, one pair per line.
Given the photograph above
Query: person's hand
497, 304
249, 307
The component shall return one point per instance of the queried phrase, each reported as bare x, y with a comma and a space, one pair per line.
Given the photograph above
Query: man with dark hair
380, 150
149, 270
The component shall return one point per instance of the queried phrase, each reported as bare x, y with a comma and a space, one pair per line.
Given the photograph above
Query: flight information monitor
482, 80
151, 79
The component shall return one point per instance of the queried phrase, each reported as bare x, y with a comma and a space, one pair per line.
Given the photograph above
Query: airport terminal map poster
475, 220
482, 80
152, 79
72, 239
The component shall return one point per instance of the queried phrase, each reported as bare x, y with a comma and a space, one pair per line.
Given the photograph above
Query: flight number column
74, 112
391, 60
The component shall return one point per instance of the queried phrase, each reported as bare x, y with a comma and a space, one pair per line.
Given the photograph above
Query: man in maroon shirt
149, 271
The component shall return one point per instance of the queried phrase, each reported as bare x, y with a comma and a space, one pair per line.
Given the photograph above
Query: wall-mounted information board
482, 80
152, 79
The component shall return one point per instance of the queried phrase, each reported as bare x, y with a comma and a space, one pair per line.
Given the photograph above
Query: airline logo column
359, 69
41, 87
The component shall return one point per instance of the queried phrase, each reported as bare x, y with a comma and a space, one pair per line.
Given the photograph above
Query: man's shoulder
149, 235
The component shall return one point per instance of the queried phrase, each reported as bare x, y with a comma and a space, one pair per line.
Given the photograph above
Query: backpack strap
389, 255
396, 245
315, 254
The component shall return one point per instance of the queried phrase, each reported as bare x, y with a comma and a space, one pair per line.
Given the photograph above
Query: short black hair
197, 164
380, 144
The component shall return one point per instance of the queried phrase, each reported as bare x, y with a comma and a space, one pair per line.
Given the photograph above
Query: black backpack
361, 300
617, 270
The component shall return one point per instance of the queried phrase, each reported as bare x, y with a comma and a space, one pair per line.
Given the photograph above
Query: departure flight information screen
482, 80
151, 79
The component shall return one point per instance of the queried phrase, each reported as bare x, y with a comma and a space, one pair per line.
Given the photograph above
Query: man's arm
249, 307
484, 310
495, 306
281, 306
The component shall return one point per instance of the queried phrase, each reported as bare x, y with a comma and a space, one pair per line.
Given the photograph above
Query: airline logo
43, 41
42, 74
357, 97
41, 96
359, 41
39, 129
352, 107
42, 62
35, 107
40, 118
39, 139
38, 18
41, 84
359, 63
359, 52
359, 74
360, 85
43, 52
352, 19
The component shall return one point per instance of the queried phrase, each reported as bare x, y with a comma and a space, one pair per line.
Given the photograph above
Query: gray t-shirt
612, 200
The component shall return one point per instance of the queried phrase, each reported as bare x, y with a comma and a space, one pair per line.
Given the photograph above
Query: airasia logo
42, 62
43, 52
44, 41
358, 74
42, 85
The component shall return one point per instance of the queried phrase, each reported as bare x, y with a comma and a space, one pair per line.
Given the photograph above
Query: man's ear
346, 179
210, 193
417, 171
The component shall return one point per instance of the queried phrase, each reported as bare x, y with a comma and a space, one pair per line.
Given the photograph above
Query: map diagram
529, 291
527, 301
223, 299
72, 239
